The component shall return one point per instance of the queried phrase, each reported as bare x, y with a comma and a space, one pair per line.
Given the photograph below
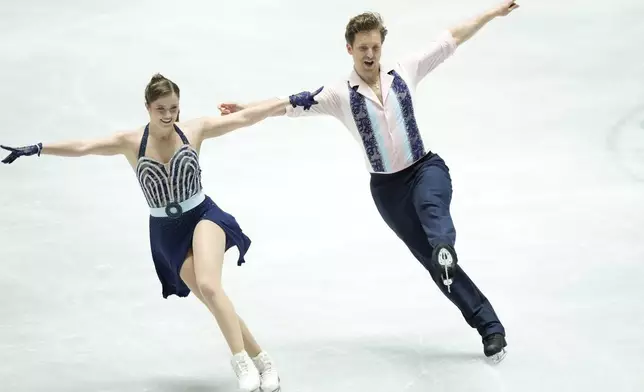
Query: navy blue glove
304, 99
17, 152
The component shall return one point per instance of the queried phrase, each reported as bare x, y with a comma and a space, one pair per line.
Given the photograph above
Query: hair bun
160, 86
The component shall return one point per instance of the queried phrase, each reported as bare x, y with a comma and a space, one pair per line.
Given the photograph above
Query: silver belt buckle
173, 210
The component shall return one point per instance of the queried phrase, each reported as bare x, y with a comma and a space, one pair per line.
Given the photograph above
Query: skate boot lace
241, 367
267, 364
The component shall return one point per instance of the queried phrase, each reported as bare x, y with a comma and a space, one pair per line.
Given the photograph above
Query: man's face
366, 51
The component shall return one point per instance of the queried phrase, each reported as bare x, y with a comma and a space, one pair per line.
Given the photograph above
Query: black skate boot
445, 256
494, 347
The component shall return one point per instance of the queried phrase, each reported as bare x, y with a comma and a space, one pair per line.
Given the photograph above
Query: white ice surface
540, 118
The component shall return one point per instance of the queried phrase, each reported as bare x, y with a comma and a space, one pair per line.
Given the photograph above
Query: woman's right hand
17, 152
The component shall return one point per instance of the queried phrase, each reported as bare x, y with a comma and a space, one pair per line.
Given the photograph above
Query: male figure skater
411, 185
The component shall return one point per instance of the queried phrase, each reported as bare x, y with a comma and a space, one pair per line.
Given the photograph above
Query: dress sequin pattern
176, 181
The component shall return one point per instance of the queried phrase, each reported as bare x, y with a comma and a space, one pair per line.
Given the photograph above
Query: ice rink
540, 117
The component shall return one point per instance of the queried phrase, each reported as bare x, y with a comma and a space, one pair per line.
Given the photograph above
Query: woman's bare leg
208, 247
188, 276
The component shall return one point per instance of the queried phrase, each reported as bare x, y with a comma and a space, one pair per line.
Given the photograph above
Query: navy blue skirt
171, 239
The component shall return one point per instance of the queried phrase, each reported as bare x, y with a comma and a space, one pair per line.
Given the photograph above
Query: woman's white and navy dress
177, 203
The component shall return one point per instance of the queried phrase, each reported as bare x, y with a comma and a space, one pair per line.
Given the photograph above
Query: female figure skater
189, 233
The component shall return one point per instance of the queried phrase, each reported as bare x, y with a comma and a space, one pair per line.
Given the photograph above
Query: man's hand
466, 30
505, 8
304, 99
228, 108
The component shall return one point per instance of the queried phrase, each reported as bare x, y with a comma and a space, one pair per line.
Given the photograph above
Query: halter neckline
146, 134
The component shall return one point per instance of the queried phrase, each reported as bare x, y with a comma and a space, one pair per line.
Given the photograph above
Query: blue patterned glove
17, 152
304, 99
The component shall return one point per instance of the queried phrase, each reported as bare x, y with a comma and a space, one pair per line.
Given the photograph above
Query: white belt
174, 209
